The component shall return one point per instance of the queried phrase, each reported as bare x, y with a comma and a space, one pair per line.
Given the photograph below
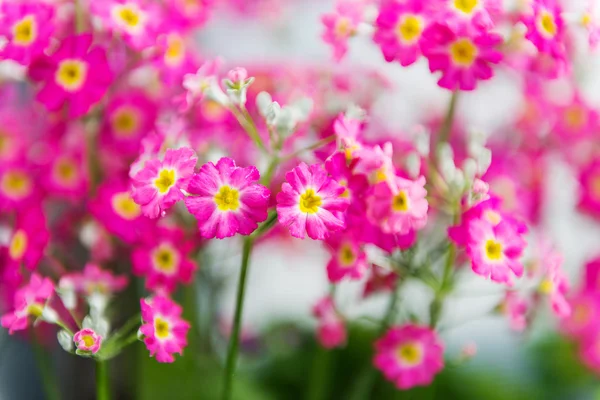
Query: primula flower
348, 259
546, 28
400, 208
341, 25
67, 175
28, 27
399, 28
163, 259
462, 53
591, 281
554, 283
174, 59
495, 250
409, 355
118, 213
356, 184
576, 120
589, 192
72, 74
347, 130
203, 83
28, 239
17, 187
311, 202
193, 13
515, 309
480, 12
380, 280
584, 319
30, 300
135, 20
159, 184
225, 199
331, 330
87, 341
93, 280
163, 329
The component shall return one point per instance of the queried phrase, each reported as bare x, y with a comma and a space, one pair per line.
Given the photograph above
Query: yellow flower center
35, 310
347, 256
380, 175
227, 199
65, 171
129, 16
16, 184
586, 19
124, 122
25, 31
466, 6
343, 28
309, 202
161, 328
88, 340
346, 193
575, 117
165, 180
547, 25
400, 202
410, 353
546, 286
463, 52
125, 207
409, 28
165, 258
493, 250
71, 74
18, 245
175, 50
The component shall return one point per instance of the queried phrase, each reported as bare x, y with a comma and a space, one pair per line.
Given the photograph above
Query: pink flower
554, 283
118, 213
589, 181
515, 309
311, 202
546, 28
17, 186
480, 12
72, 74
589, 351
584, 319
341, 25
163, 328
93, 279
159, 184
134, 20
30, 300
28, 27
399, 28
380, 280
591, 281
409, 355
29, 239
175, 58
347, 131
398, 208
87, 341
348, 259
225, 199
331, 331
495, 250
463, 54
356, 184
67, 175
576, 121
190, 13
163, 259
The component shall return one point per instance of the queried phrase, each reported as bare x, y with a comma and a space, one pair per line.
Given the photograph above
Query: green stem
132, 322
313, 146
246, 121
46, 370
234, 340
268, 176
364, 384
435, 310
321, 370
102, 385
446, 127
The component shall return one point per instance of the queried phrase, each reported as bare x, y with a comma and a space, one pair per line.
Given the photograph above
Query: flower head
589, 181
30, 300
462, 53
159, 184
311, 202
72, 75
545, 27
87, 341
348, 259
584, 319
409, 355
163, 329
331, 331
17, 187
515, 309
226, 199
28, 239
341, 25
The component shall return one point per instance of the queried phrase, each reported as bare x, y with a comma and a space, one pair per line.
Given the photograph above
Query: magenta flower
28, 239
495, 250
67, 175
591, 281
163, 259
400, 208
115, 209
341, 25
17, 187
348, 259
515, 309
584, 320
311, 202
380, 280
225, 199
399, 28
546, 28
163, 328
479, 12
554, 283
87, 341
28, 27
462, 54
331, 330
72, 75
30, 300
576, 121
159, 184
589, 193
94, 279
409, 355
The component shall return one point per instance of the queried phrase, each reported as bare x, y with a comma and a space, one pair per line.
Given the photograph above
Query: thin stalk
364, 384
435, 310
446, 127
234, 340
321, 370
246, 121
313, 146
102, 384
